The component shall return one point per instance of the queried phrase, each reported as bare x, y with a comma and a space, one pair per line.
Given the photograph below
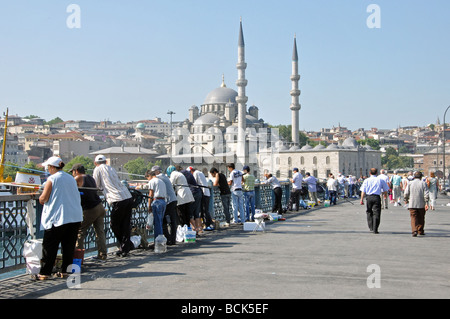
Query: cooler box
254, 226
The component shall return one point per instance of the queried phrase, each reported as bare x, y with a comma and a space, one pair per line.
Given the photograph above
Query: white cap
100, 158
53, 161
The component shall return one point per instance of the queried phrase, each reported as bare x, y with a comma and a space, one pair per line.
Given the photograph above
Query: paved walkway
318, 253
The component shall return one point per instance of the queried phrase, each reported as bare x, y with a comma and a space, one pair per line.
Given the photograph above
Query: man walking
396, 188
372, 188
417, 197
120, 201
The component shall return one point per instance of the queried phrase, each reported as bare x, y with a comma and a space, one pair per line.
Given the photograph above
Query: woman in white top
61, 217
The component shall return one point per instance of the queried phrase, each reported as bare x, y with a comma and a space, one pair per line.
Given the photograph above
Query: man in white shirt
385, 197
120, 201
332, 187
184, 194
200, 178
296, 181
235, 181
157, 201
312, 187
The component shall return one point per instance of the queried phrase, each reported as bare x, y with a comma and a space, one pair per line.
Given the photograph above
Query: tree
285, 131
54, 121
138, 167
391, 160
84, 160
374, 144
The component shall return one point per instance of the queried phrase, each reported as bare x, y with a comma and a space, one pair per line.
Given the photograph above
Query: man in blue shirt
372, 188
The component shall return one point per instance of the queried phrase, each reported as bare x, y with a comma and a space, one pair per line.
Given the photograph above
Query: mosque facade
223, 130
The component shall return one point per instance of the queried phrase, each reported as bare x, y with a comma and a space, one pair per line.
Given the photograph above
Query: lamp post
443, 146
170, 155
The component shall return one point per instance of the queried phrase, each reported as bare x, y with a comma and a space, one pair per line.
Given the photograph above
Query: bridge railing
14, 230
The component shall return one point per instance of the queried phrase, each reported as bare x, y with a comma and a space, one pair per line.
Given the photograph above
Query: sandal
41, 277
62, 275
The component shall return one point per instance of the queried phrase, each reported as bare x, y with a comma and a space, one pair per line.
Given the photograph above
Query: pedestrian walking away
93, 210
396, 182
119, 199
433, 187
372, 189
417, 197
385, 197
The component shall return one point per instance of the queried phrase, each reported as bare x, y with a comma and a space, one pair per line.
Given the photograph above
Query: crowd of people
418, 192
181, 196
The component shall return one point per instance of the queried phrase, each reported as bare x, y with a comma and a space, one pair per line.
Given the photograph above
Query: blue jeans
249, 205
238, 204
158, 209
332, 197
226, 206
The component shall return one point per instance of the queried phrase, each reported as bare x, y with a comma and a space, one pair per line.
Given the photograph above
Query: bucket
76, 261
189, 237
79, 254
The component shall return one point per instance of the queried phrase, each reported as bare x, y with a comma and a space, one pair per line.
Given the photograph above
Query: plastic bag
32, 251
136, 240
150, 221
181, 231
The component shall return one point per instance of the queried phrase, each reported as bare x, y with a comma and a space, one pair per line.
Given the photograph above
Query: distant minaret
241, 99
295, 93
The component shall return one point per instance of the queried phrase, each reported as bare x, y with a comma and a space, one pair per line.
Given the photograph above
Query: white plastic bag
149, 225
32, 251
181, 231
136, 240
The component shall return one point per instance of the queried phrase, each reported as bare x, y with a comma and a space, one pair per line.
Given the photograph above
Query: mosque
224, 131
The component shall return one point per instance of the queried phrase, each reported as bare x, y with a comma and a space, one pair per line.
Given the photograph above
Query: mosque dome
350, 142
207, 119
221, 95
140, 126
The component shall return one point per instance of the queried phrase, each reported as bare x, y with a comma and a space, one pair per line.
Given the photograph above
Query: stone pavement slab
324, 253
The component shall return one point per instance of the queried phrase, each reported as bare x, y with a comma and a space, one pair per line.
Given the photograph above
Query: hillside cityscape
31, 140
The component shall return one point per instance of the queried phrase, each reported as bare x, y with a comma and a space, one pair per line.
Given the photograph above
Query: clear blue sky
134, 60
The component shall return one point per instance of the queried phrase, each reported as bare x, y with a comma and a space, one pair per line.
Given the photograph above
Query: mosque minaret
295, 93
241, 98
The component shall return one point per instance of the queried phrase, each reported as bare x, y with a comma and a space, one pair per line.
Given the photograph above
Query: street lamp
443, 145
170, 155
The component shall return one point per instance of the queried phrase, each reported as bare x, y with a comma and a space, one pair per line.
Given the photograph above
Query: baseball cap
246, 168
156, 168
100, 158
53, 161
295, 169
190, 168
77, 167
